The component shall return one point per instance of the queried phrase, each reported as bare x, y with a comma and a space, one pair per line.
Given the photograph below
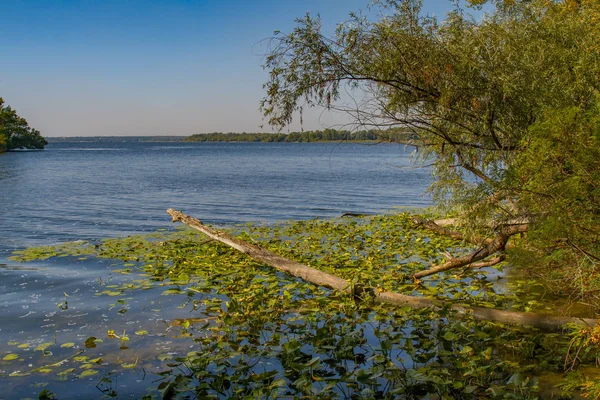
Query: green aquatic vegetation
73, 249
259, 333
381, 252
10, 357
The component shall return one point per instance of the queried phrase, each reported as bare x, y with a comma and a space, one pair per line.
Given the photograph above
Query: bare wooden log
440, 226
268, 257
494, 246
446, 221
541, 321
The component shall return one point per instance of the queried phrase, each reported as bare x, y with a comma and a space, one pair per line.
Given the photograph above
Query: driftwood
547, 322
258, 253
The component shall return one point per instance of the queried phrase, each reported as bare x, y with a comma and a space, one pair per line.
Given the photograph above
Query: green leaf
450, 336
10, 357
88, 373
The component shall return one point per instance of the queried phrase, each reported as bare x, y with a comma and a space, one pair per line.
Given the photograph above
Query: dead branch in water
542, 321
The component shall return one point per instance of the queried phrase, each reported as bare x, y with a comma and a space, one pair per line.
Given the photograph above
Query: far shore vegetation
326, 135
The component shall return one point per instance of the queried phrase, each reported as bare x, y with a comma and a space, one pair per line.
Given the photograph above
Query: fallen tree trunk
547, 322
258, 253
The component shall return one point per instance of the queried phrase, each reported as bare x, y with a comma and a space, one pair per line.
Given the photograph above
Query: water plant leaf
19, 373
88, 373
66, 372
90, 342
129, 365
43, 346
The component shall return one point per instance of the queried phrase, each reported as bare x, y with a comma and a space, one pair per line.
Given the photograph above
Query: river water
107, 188
87, 190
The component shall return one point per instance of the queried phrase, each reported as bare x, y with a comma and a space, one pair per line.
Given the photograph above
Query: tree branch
495, 245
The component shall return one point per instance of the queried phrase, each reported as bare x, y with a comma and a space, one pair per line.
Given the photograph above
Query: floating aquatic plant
258, 333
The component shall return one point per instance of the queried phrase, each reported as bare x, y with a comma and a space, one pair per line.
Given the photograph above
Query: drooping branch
541, 321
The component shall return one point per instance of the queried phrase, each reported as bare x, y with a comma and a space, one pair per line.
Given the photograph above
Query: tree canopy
15, 132
507, 107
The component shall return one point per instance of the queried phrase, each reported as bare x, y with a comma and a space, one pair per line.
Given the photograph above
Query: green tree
3, 144
506, 106
15, 132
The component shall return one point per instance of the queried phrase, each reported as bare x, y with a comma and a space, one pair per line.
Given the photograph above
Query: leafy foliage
559, 176
15, 133
482, 98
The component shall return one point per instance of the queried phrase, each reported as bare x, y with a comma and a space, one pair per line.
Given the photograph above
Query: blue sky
87, 68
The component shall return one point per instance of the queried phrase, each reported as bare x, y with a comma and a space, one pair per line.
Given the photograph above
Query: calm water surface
102, 189
94, 190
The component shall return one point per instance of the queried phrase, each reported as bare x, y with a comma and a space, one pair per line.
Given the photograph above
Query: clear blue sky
98, 67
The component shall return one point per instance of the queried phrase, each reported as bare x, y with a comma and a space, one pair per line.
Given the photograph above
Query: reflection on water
68, 301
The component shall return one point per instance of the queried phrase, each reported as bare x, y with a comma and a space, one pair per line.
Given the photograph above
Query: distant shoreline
129, 139
325, 136
133, 139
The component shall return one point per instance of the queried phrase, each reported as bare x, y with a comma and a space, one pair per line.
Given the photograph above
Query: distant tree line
15, 132
307, 136
109, 139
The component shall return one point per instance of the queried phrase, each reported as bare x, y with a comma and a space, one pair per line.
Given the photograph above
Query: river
110, 187
90, 190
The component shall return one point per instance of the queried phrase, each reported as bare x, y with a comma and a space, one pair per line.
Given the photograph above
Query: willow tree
15, 132
505, 106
